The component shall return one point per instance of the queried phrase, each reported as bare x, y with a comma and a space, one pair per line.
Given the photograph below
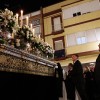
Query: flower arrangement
48, 50
8, 25
45, 49
24, 37
8, 21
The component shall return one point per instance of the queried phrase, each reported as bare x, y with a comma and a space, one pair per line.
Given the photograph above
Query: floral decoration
8, 25
24, 37
8, 21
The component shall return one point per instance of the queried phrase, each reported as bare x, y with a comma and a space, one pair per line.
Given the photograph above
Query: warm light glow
39, 36
27, 20
17, 18
33, 32
21, 18
9, 36
31, 26
28, 45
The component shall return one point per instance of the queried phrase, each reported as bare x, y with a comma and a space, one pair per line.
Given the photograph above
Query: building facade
73, 26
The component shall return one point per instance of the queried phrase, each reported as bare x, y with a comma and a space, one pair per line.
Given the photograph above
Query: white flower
27, 34
9, 17
6, 22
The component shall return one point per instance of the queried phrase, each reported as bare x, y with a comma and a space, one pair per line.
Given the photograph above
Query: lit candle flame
33, 32
27, 20
21, 18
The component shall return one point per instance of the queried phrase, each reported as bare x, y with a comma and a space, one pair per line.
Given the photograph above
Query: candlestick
21, 18
39, 36
31, 26
27, 20
12, 35
17, 18
33, 32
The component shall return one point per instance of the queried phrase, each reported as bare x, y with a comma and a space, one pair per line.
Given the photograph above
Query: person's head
99, 46
75, 57
70, 66
59, 65
92, 68
86, 69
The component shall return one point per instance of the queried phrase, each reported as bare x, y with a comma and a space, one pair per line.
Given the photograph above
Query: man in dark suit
78, 78
97, 76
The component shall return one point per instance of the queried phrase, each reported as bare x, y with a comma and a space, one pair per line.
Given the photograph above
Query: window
80, 37
74, 14
83, 37
97, 31
59, 46
81, 40
59, 43
71, 40
37, 30
91, 36
78, 13
56, 23
36, 22
36, 26
80, 9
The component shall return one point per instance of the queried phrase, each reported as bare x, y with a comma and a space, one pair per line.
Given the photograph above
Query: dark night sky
27, 5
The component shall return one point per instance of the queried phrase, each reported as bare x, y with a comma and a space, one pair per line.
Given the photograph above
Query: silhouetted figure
70, 89
78, 79
89, 81
59, 76
97, 76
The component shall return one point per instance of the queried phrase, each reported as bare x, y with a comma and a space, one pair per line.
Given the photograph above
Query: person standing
89, 82
97, 77
59, 77
70, 89
78, 78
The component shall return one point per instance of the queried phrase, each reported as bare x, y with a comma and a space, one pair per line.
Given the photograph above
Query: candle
17, 18
39, 36
12, 35
31, 26
27, 20
21, 18
33, 32
17, 42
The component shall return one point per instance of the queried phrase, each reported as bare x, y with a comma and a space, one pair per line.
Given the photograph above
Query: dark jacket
77, 72
78, 79
97, 69
59, 79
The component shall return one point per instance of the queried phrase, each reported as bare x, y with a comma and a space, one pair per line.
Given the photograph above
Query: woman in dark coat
70, 89
59, 77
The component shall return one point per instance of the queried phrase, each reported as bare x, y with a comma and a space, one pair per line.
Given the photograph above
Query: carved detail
24, 64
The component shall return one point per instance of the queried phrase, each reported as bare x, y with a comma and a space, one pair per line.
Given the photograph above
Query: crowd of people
86, 81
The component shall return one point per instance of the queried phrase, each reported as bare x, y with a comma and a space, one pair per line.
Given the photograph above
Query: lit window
81, 40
